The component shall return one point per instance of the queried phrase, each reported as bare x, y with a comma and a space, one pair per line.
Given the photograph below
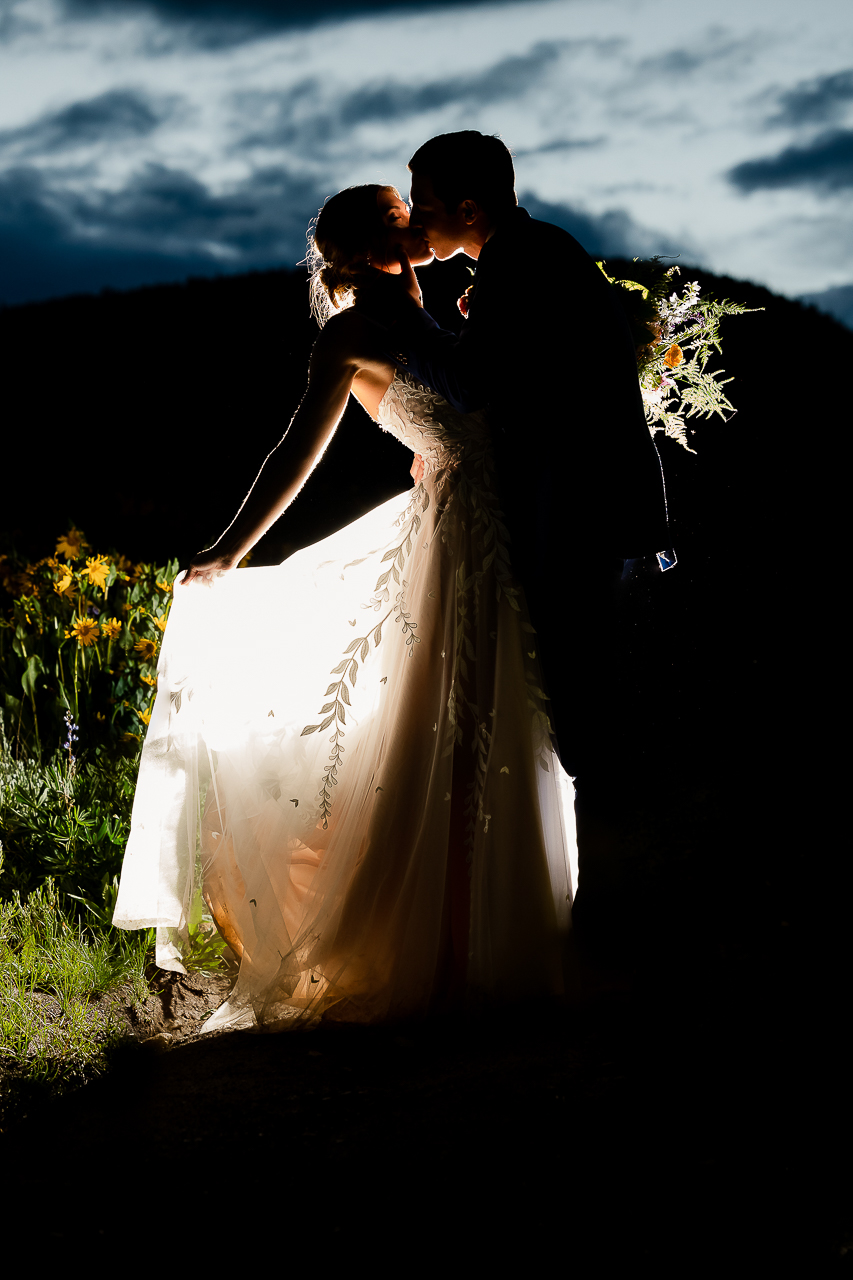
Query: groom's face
446, 233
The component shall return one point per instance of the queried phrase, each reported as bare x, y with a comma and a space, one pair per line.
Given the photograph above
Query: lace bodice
425, 423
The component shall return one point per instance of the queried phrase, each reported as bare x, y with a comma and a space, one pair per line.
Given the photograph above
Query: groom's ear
469, 211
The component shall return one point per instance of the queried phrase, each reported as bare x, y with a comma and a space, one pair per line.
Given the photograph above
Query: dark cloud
823, 100
837, 302
214, 23
613, 234
163, 225
717, 47
509, 78
12, 24
825, 164
117, 116
560, 144
291, 118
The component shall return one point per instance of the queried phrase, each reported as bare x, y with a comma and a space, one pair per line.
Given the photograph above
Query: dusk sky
150, 141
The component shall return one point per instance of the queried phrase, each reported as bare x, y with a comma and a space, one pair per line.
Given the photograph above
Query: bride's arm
341, 350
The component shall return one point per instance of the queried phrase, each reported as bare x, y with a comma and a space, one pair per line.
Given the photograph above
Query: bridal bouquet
675, 334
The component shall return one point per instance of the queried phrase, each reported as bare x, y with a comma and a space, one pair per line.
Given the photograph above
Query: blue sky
147, 141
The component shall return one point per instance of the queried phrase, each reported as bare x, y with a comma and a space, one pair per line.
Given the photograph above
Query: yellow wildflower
130, 737
111, 628
99, 715
64, 585
146, 649
144, 716
98, 570
148, 680
164, 586
159, 623
126, 569
86, 632
674, 356
69, 545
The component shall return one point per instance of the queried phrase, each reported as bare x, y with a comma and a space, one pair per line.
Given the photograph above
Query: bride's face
395, 218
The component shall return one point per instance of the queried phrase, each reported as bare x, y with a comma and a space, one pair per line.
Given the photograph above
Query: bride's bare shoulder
348, 330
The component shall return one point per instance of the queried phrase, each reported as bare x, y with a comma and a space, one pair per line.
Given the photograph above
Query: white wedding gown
349, 761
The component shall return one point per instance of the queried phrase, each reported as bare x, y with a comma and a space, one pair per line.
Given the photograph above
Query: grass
52, 1036
59, 954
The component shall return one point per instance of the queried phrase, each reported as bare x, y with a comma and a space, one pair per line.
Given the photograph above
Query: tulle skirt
348, 763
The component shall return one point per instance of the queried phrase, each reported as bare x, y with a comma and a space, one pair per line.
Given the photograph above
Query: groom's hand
409, 279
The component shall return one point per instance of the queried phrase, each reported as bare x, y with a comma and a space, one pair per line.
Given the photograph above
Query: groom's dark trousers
547, 353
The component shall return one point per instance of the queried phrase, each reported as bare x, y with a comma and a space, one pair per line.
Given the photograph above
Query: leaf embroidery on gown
458, 466
348, 669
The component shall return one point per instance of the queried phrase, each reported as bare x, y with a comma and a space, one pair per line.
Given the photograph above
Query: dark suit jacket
547, 352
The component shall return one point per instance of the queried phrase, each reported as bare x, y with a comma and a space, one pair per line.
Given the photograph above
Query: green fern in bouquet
675, 335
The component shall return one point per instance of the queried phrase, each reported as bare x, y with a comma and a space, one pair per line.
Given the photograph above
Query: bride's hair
340, 240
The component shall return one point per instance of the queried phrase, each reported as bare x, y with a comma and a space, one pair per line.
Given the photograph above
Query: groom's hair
468, 166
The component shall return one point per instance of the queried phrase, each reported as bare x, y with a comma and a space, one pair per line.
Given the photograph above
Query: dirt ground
689, 1112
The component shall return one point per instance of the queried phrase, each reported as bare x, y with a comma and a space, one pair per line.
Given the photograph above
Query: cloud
217, 23
825, 164
822, 100
263, 219
119, 115
286, 123
162, 225
837, 302
509, 78
717, 48
612, 234
560, 144
12, 25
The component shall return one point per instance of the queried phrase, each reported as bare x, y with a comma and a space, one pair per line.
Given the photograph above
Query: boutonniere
462, 304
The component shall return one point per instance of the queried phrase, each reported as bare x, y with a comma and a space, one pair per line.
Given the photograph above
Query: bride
349, 758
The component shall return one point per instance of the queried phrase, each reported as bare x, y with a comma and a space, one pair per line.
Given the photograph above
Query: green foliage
206, 950
666, 327
69, 821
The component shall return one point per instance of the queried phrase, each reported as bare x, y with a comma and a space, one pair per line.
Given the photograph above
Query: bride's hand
207, 564
417, 469
410, 280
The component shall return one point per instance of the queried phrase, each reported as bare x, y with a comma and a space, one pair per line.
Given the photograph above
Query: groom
547, 353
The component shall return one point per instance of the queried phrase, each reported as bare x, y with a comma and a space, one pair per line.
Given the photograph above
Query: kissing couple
365, 763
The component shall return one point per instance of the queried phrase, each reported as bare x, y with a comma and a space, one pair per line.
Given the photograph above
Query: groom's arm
464, 369
440, 359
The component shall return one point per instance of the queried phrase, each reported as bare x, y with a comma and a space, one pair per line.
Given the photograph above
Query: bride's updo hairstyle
347, 229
